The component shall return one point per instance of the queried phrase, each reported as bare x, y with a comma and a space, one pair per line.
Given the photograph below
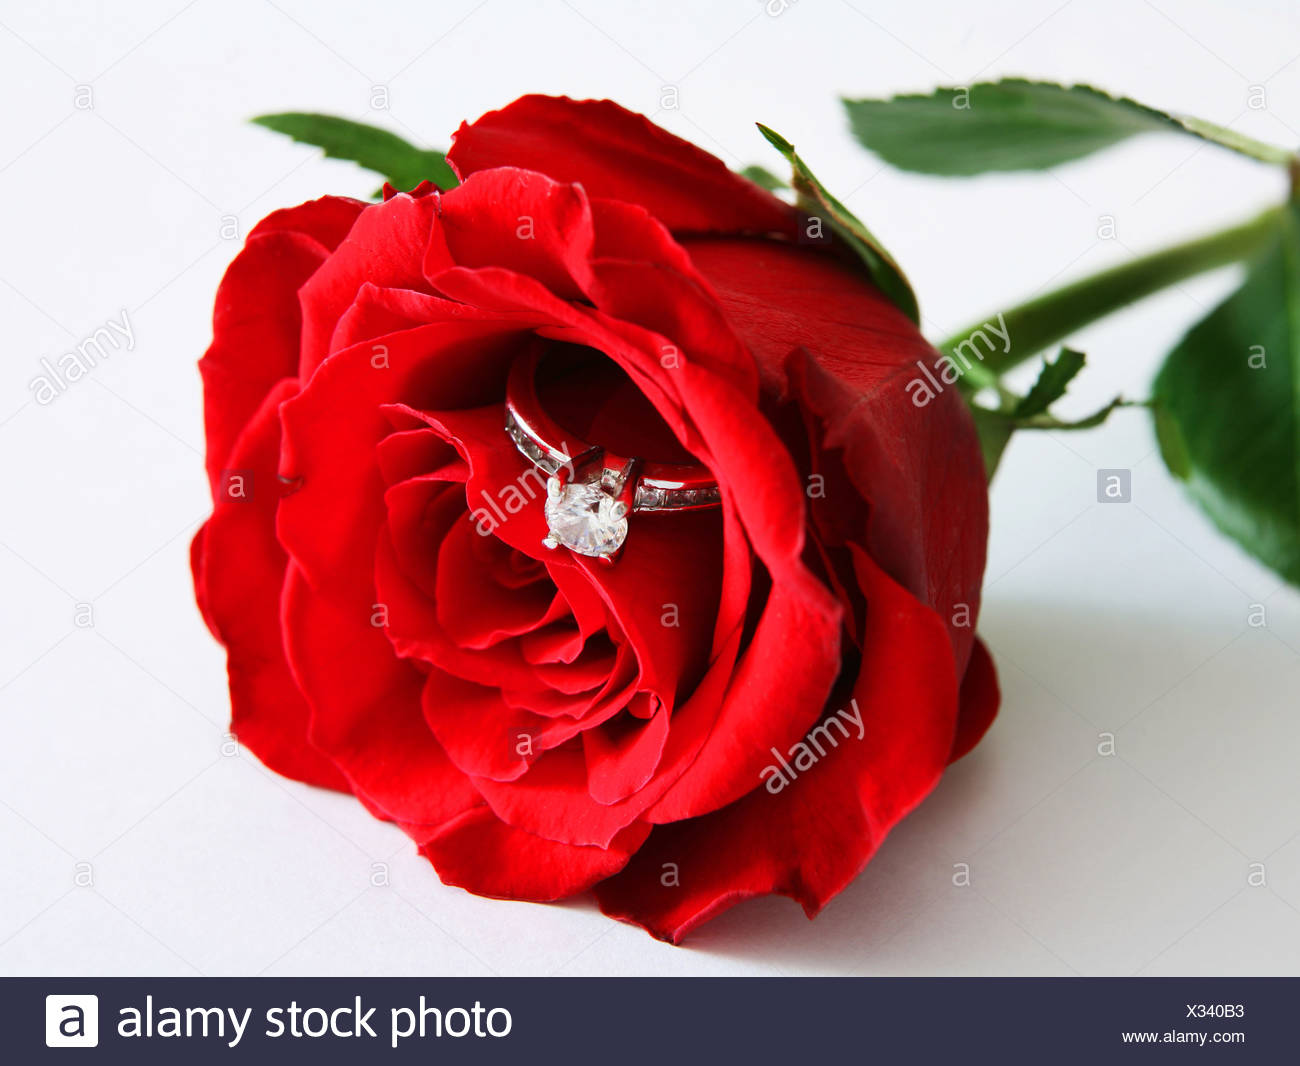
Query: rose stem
1045, 320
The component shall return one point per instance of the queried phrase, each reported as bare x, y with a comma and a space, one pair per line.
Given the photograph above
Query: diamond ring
590, 491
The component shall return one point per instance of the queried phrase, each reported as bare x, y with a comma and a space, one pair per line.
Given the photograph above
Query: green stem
1049, 319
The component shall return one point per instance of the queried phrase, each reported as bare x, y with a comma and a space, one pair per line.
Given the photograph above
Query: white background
1130, 619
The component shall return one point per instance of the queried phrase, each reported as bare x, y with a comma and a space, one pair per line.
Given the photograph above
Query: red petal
366, 710
256, 323
552, 801
482, 854
622, 755
331, 429
421, 517
525, 222
407, 454
642, 276
327, 220
386, 247
238, 570
481, 734
817, 832
980, 697
820, 332
637, 351
415, 633
473, 609
376, 312
778, 691
619, 155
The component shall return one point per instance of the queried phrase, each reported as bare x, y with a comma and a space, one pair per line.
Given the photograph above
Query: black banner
650, 1020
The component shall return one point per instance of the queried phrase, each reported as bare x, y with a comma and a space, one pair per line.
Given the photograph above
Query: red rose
752, 696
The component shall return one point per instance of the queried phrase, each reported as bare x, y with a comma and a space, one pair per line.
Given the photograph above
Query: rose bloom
752, 696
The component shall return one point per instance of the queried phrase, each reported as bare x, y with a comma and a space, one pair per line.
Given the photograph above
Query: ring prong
569, 470
626, 496
550, 542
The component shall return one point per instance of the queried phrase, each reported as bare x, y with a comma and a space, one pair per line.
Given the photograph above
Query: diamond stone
585, 518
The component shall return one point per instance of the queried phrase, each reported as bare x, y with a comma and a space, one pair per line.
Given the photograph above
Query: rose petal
814, 835
331, 430
622, 755
482, 854
980, 697
366, 710
848, 355
484, 736
415, 633
777, 692
386, 246
256, 323
238, 570
475, 611
525, 222
552, 801
620, 156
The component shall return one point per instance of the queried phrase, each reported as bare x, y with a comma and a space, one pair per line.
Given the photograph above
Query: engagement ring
590, 491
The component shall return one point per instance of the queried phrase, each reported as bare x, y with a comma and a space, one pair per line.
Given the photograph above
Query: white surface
1129, 619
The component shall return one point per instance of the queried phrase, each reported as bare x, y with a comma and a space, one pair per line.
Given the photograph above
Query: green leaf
764, 178
1228, 408
995, 427
1051, 384
1046, 421
817, 200
401, 163
1016, 124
